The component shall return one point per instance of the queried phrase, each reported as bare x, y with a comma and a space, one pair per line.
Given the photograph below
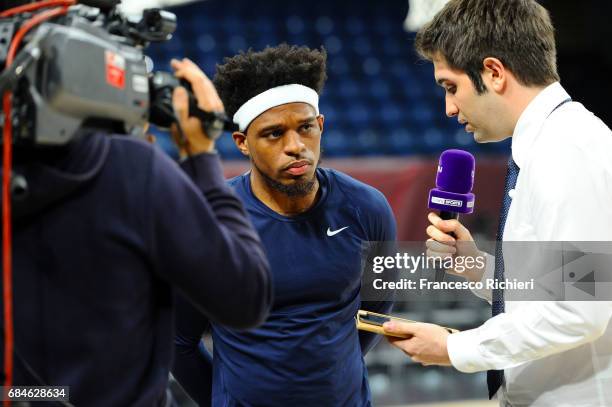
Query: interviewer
496, 61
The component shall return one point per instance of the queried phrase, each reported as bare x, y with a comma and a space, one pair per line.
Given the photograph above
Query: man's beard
296, 190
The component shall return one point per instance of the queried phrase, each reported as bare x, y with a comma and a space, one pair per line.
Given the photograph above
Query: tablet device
373, 322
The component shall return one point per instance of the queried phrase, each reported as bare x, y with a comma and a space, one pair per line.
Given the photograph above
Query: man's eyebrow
308, 119
270, 128
280, 126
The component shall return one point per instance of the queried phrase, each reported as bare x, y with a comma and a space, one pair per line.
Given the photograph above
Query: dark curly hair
250, 73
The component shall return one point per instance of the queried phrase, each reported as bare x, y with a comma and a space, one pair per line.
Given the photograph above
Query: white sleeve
486, 293
532, 331
569, 193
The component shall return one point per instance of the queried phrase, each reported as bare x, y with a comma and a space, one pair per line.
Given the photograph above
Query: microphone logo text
447, 202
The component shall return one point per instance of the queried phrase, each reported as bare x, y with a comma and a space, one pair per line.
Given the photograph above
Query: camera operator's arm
202, 239
192, 362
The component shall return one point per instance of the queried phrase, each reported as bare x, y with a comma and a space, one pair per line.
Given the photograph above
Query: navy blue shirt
109, 227
308, 352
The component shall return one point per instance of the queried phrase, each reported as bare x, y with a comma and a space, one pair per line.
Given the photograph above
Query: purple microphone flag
454, 183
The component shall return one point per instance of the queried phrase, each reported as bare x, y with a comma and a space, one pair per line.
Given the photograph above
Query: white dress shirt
554, 353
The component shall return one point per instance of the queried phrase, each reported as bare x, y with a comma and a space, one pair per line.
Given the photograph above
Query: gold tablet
372, 322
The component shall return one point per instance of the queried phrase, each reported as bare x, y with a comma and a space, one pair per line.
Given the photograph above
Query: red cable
7, 283
7, 275
36, 6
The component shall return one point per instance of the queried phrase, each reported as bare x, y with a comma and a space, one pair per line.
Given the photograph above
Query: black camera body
85, 69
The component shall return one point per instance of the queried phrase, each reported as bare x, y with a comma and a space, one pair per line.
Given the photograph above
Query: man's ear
321, 120
241, 142
494, 74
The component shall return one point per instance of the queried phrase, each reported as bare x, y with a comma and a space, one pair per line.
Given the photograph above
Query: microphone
453, 193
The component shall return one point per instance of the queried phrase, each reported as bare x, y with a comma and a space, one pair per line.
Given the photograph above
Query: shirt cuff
463, 351
485, 293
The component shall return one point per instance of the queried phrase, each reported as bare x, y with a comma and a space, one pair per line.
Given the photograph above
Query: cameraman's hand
208, 100
442, 245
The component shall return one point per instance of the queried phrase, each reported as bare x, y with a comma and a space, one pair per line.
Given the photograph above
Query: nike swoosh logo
334, 232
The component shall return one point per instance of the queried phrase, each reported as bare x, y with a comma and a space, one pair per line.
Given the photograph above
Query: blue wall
380, 99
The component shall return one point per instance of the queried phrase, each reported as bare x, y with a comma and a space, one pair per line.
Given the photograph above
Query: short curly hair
250, 73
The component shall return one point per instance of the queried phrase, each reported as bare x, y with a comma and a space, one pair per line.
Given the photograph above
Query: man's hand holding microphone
453, 196
448, 238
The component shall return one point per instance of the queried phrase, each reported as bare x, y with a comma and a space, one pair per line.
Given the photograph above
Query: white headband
277, 96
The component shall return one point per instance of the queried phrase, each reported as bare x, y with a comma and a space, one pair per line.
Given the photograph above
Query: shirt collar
531, 120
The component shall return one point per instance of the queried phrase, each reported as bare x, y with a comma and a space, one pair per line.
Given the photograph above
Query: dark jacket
108, 228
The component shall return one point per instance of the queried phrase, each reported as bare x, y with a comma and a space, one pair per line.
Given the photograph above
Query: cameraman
108, 227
